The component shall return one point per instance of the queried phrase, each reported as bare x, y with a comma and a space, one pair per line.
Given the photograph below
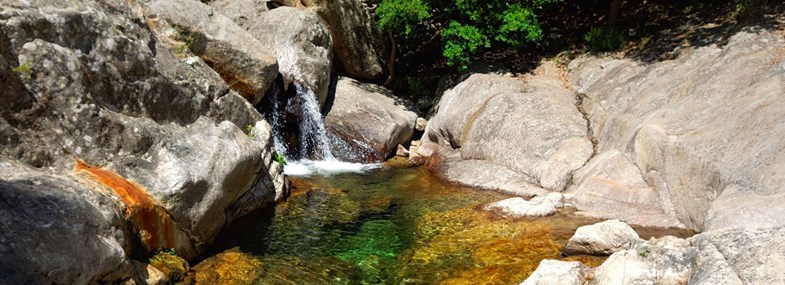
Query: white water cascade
315, 151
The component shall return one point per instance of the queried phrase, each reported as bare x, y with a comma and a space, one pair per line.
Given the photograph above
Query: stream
386, 226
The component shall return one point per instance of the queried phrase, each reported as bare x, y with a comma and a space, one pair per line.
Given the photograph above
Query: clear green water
393, 226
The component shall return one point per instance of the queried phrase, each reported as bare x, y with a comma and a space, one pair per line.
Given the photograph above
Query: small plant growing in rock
23, 68
279, 158
250, 130
603, 39
644, 251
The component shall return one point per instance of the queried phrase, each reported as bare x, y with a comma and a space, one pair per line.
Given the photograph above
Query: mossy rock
174, 267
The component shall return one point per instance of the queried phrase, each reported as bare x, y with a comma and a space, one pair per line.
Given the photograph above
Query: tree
466, 27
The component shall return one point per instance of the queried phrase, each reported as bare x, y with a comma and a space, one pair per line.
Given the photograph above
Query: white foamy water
308, 167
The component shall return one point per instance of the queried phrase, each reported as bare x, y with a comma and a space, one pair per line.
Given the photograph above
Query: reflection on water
390, 226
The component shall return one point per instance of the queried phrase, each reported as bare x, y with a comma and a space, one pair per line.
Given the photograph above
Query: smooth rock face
556, 272
698, 127
299, 40
237, 56
58, 230
520, 208
602, 238
666, 261
360, 48
367, 120
530, 126
740, 256
122, 102
611, 186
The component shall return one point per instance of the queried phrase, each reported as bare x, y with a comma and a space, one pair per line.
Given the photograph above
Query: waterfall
312, 151
313, 135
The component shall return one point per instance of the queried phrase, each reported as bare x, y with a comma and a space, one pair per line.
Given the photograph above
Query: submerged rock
367, 121
556, 272
602, 238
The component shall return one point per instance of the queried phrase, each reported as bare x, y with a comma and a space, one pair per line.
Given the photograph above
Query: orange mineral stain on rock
152, 223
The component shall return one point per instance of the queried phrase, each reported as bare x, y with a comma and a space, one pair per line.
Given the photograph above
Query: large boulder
602, 238
698, 128
360, 48
230, 50
528, 125
667, 261
366, 122
114, 111
58, 230
298, 38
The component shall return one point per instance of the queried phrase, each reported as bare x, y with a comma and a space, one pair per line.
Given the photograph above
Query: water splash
314, 153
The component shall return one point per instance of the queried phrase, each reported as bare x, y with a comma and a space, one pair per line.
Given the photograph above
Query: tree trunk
613, 14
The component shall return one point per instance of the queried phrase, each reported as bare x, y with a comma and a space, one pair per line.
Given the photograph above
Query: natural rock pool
390, 226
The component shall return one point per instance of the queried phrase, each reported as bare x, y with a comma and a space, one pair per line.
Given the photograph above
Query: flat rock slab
556, 272
519, 208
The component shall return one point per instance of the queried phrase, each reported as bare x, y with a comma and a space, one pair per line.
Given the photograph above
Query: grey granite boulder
602, 238
366, 122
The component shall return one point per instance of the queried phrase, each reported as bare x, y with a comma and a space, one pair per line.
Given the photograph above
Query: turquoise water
390, 226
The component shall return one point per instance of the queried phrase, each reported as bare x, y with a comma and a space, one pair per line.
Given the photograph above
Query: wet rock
696, 141
602, 238
520, 208
147, 274
229, 267
555, 272
401, 151
368, 121
56, 229
521, 138
230, 50
171, 266
667, 260
299, 40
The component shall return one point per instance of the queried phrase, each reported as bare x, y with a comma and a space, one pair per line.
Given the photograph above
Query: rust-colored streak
152, 223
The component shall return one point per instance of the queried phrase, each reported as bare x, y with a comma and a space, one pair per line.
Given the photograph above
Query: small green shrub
603, 39
250, 129
644, 251
749, 8
279, 158
23, 68
401, 16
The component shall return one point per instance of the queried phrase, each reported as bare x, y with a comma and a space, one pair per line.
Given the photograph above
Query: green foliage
401, 16
461, 41
279, 158
179, 49
250, 130
603, 39
23, 68
644, 251
467, 26
749, 8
